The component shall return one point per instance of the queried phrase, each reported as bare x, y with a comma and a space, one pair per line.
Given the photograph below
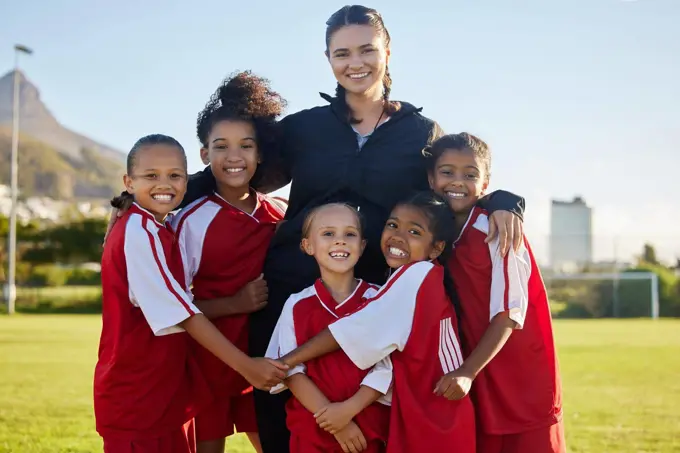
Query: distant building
571, 235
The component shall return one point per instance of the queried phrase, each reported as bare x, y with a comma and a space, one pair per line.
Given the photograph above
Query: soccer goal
616, 295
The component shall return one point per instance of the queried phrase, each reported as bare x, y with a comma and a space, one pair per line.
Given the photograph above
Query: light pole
11, 290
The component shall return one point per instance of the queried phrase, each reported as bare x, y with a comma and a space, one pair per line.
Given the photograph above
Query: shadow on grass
85, 308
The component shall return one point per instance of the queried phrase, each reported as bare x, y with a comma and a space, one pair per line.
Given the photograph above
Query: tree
649, 255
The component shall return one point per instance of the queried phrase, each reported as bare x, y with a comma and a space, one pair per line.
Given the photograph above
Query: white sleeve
189, 247
191, 227
283, 341
380, 376
510, 282
162, 299
384, 324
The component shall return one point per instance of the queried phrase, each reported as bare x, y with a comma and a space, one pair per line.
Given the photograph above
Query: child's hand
263, 373
351, 439
454, 386
334, 417
253, 297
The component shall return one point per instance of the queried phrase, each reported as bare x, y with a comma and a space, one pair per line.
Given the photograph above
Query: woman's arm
501, 200
199, 184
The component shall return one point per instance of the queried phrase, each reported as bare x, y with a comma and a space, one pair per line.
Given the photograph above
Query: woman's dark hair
361, 15
124, 200
244, 96
443, 228
458, 142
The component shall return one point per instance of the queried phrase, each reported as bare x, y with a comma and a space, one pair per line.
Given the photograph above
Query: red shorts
543, 440
217, 421
298, 445
181, 440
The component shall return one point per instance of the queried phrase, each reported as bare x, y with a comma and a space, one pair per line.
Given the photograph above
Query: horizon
586, 101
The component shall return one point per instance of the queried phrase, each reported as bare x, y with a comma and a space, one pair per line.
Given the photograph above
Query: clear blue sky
574, 96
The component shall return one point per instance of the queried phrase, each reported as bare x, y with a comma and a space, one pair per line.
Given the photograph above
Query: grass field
621, 384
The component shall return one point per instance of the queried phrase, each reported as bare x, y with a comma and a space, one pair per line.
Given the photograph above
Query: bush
83, 277
48, 276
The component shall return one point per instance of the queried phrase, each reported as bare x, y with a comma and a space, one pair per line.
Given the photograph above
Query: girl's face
358, 57
406, 237
232, 153
461, 178
159, 179
334, 239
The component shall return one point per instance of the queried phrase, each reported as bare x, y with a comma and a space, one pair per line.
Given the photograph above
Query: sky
575, 97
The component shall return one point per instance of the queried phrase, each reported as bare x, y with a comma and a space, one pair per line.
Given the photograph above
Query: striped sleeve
284, 340
384, 324
509, 282
161, 298
191, 226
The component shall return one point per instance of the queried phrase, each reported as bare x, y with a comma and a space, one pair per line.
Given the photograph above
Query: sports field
621, 383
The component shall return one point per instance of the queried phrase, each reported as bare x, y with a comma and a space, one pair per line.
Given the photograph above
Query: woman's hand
508, 228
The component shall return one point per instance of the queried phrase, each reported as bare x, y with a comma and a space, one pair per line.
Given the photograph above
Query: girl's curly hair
243, 96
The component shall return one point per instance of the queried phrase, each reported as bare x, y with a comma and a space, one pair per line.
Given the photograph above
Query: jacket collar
342, 111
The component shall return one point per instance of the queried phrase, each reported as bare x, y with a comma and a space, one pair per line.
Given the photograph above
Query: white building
571, 235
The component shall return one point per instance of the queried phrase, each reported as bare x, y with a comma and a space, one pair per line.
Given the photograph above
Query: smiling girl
224, 237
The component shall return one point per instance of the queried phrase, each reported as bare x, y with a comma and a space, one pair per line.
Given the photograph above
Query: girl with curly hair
223, 238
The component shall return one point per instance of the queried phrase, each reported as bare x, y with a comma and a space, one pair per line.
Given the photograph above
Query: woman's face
358, 57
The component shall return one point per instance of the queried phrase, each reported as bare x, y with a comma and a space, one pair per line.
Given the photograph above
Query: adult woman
362, 149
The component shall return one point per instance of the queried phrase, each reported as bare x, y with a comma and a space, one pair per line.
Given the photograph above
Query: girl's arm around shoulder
384, 323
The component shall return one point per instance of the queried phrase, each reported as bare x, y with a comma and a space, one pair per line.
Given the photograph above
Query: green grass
621, 385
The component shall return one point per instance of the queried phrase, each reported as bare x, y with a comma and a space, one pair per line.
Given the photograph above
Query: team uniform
223, 249
518, 396
147, 386
304, 315
412, 319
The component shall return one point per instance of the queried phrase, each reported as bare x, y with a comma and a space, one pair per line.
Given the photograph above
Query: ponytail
391, 107
123, 201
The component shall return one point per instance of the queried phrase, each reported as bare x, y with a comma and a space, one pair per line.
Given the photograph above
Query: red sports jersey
519, 390
223, 249
412, 319
145, 382
305, 315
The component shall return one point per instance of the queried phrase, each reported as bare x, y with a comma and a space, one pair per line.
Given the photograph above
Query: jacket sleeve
500, 200
275, 170
199, 185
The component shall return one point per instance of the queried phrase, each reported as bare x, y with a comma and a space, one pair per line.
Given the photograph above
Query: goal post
618, 287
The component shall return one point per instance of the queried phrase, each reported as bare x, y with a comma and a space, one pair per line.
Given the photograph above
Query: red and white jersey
145, 382
305, 315
223, 249
412, 319
519, 390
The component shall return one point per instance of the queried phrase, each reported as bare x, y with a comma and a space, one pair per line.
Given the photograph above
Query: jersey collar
327, 301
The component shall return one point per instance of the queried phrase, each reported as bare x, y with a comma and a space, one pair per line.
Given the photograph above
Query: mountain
53, 160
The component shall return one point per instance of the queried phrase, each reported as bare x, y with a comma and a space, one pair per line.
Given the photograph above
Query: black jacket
320, 154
